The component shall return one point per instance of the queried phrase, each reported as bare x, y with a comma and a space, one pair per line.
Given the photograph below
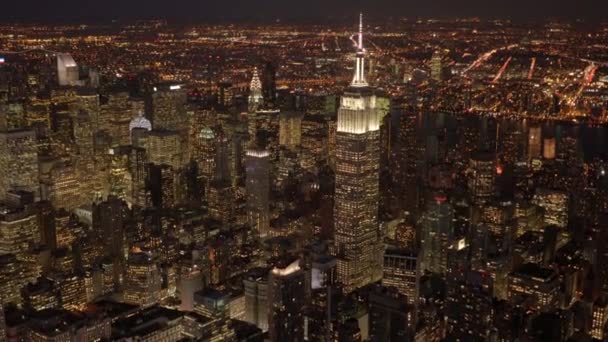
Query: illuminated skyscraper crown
256, 84
359, 78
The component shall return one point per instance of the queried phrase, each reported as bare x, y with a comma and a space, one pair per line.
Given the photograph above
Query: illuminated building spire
255, 84
255, 92
359, 78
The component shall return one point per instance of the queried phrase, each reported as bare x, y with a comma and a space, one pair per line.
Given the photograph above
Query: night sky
28, 10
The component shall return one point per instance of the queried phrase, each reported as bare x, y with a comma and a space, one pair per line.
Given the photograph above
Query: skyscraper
143, 279
67, 70
286, 287
482, 173
258, 190
436, 66
18, 162
534, 142
357, 180
255, 92
437, 235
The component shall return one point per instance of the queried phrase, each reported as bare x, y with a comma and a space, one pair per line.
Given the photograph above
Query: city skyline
272, 10
348, 180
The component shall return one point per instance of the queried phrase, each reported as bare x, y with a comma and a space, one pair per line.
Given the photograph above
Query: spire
255, 92
255, 81
360, 46
359, 78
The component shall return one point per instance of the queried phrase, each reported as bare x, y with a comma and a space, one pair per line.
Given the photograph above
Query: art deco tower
255, 92
357, 236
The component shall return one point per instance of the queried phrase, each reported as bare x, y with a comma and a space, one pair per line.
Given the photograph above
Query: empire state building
357, 236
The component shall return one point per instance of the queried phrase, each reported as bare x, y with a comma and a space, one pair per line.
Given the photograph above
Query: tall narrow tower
255, 92
357, 235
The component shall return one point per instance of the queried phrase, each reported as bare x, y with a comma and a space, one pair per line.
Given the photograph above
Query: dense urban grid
395, 180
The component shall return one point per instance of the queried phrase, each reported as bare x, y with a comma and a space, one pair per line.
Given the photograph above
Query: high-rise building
357, 181
143, 279
482, 174
599, 318
258, 190
555, 206
19, 232
18, 162
535, 141
290, 129
436, 66
269, 82
469, 305
14, 274
549, 148
402, 271
256, 98
169, 107
437, 230
40, 295
67, 70
536, 287
286, 289
391, 318
256, 297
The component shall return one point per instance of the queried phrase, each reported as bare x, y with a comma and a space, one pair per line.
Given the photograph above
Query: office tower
162, 187
549, 148
139, 122
512, 143
286, 298
437, 230
45, 214
269, 82
256, 97
190, 281
436, 66
408, 163
534, 142
599, 318
555, 206
169, 107
18, 162
482, 173
390, 317
83, 132
67, 70
87, 101
40, 295
165, 147
108, 223
155, 323
72, 290
142, 280
63, 187
14, 274
470, 306
357, 181
535, 287
290, 129
258, 190
204, 151
402, 270
255, 285
498, 216
19, 231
